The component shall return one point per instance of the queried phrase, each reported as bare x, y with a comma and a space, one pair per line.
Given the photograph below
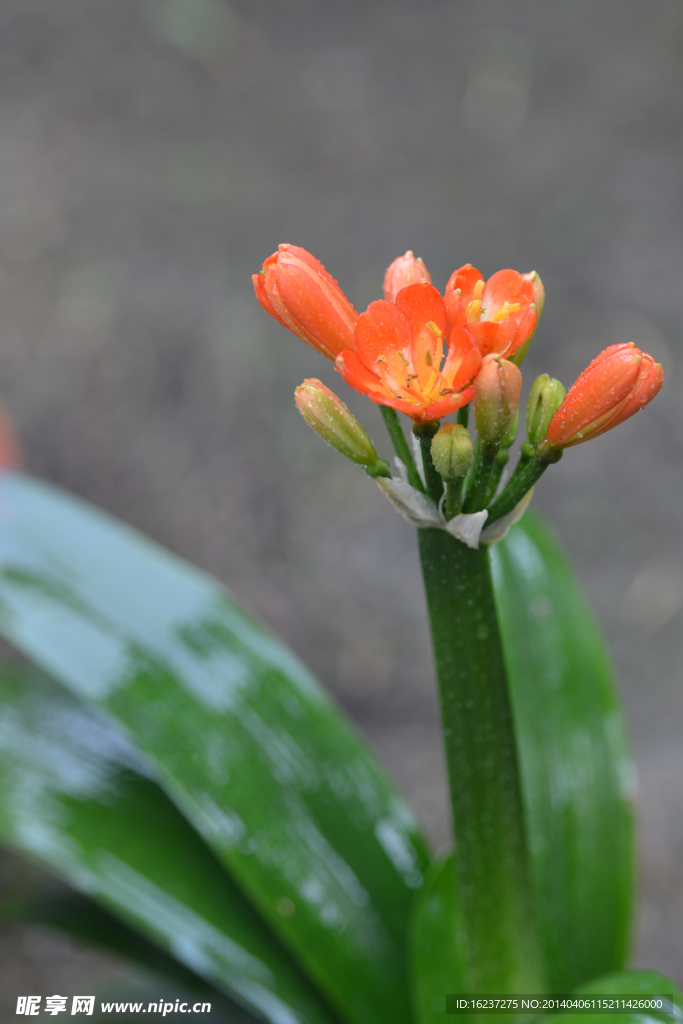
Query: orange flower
619, 382
398, 354
500, 313
298, 292
403, 271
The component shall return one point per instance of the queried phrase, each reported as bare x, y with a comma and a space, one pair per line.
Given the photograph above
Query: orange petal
463, 359
356, 373
384, 343
444, 407
424, 307
465, 278
507, 286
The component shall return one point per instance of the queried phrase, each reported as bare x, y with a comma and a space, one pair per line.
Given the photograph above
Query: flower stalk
499, 922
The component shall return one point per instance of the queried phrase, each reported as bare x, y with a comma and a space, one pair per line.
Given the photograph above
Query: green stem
494, 890
463, 416
401, 447
499, 464
453, 502
478, 486
526, 473
425, 432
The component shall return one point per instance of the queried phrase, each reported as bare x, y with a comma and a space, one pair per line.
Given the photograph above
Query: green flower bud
337, 426
452, 452
547, 394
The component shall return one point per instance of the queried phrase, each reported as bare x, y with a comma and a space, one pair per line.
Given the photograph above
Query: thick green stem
401, 447
478, 485
463, 417
498, 911
526, 473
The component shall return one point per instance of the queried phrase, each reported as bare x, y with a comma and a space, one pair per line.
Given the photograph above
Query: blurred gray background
154, 152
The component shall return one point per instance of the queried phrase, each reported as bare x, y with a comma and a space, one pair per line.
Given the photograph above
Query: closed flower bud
496, 398
337, 426
452, 452
618, 383
298, 292
403, 271
544, 400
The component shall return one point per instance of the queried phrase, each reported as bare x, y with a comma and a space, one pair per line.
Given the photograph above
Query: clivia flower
500, 313
397, 359
618, 383
298, 292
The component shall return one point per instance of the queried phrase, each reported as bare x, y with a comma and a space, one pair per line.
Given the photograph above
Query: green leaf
577, 773
72, 799
236, 730
437, 961
87, 922
626, 983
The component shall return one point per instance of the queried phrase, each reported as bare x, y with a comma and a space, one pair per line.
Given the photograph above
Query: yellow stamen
505, 310
474, 309
428, 357
433, 328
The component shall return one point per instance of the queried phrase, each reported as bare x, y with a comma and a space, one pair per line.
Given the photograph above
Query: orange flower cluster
416, 350
421, 352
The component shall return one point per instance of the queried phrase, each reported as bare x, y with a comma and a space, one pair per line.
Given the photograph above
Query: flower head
403, 271
500, 313
618, 383
298, 292
399, 348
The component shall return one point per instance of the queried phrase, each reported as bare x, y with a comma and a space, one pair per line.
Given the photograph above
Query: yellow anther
478, 290
402, 358
428, 357
433, 328
473, 309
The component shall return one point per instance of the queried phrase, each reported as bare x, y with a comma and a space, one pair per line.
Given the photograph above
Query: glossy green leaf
577, 774
627, 983
436, 957
72, 798
80, 918
237, 732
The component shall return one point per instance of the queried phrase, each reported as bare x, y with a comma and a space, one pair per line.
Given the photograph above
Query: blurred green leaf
577, 773
434, 952
627, 983
237, 732
72, 799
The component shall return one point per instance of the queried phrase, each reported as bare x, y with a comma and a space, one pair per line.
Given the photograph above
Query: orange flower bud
496, 398
296, 290
619, 382
403, 271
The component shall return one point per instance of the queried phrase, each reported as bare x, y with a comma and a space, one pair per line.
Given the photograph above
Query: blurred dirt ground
154, 152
